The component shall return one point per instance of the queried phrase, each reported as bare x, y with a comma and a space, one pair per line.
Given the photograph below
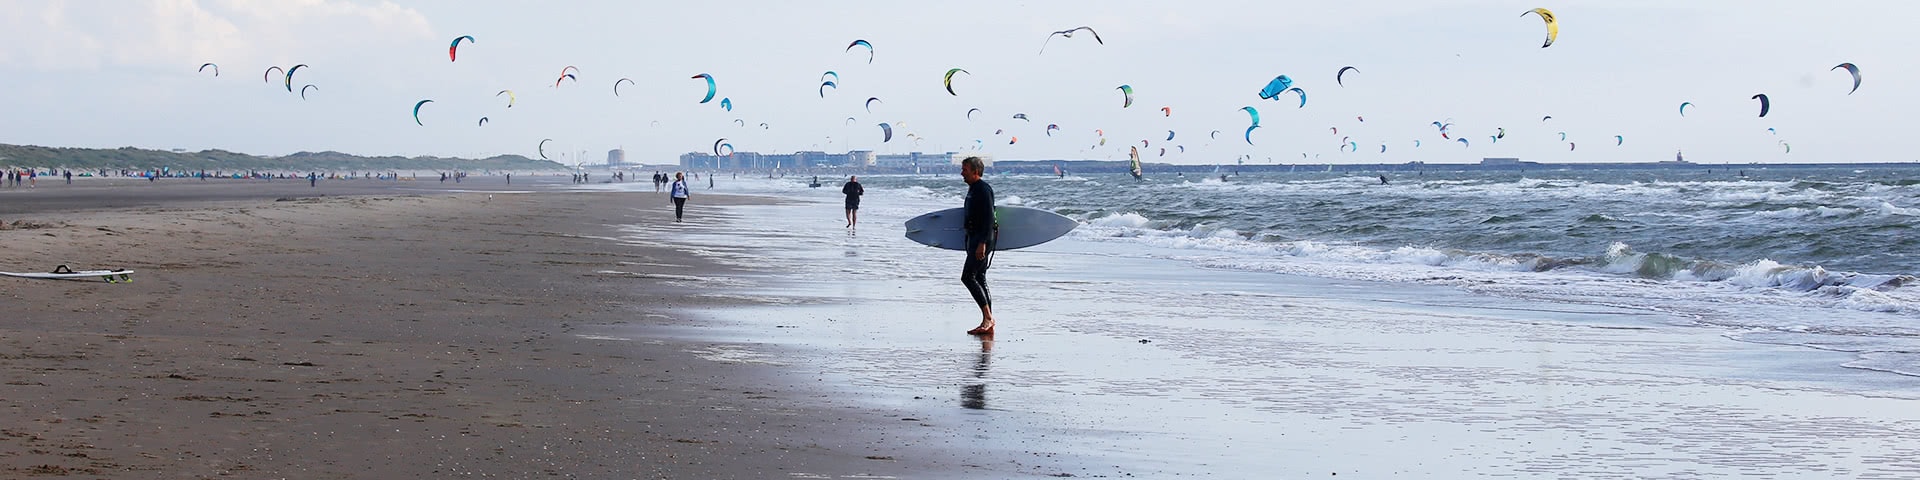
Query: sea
1817, 256
1510, 323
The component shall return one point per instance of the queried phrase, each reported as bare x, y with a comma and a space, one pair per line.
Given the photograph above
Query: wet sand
386, 332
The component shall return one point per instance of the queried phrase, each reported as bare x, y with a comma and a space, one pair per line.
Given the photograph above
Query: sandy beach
384, 331
426, 330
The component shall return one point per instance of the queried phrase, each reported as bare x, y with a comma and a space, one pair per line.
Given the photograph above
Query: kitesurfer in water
981, 230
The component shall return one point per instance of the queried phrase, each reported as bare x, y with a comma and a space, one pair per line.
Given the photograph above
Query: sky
114, 73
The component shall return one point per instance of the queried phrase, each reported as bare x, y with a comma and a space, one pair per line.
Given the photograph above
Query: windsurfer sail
1134, 155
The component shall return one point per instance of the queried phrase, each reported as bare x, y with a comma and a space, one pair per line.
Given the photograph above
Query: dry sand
390, 334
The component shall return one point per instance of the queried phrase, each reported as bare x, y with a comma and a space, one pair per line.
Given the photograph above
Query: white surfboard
111, 276
1020, 227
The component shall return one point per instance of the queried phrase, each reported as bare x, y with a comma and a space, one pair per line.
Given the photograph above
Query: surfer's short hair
974, 163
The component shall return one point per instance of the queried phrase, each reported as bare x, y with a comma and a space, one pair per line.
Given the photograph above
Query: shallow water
1514, 374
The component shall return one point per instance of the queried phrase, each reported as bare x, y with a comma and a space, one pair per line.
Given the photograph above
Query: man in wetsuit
853, 191
980, 228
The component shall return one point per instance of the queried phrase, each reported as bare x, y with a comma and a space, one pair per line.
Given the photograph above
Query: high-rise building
616, 157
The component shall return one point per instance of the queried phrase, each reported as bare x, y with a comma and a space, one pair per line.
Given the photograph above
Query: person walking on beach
679, 195
981, 230
853, 190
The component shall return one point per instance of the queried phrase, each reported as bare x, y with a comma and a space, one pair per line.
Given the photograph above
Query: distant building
1499, 163
616, 157
811, 159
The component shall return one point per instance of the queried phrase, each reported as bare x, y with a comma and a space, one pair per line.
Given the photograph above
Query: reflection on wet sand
974, 395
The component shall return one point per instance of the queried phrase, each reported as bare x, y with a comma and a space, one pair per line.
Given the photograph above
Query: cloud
61, 35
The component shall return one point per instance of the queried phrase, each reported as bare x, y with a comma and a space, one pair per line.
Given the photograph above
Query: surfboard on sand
62, 272
1020, 227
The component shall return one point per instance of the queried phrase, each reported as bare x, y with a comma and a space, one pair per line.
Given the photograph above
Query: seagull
1068, 33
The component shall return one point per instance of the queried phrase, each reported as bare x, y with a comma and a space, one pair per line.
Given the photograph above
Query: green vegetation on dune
141, 159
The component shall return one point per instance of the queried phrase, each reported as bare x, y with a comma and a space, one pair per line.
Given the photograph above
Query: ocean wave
1265, 252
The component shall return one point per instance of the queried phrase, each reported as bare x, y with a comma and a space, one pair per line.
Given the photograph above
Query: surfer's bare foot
983, 329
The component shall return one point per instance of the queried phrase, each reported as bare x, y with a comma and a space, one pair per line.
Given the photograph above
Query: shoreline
387, 336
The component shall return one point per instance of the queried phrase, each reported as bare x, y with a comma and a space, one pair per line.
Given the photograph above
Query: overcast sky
111, 73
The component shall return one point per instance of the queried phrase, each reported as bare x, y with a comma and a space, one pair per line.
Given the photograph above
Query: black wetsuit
853, 191
979, 224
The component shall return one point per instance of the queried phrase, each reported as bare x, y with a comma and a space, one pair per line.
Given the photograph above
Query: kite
719, 144
543, 148
1099, 132
1126, 91
764, 126
970, 113
1545, 118
739, 122
1619, 140
1360, 118
1570, 146
1249, 134
727, 103
616, 85
1275, 87
1336, 130
1169, 135
1144, 144
1383, 148
1772, 131
1163, 151
1463, 141
1338, 76
887, 133
1167, 110
1553, 26
1683, 108
1502, 134
509, 94
823, 88
1783, 143
454, 47
1013, 140
1021, 116
1068, 33
836, 76
870, 101
290, 71
416, 111
203, 67
268, 76
1855, 71
1563, 136
949, 80
862, 43
1764, 104
1215, 135
564, 77
1255, 116
850, 121
303, 90
1183, 148
710, 87
1495, 139
483, 122
1051, 127
1416, 144
1303, 97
